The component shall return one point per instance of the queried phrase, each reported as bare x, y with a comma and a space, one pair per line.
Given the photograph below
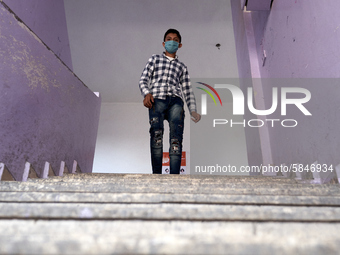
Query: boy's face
172, 37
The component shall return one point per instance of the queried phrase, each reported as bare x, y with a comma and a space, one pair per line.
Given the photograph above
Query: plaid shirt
162, 77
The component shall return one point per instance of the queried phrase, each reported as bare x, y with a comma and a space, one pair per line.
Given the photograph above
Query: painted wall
48, 21
47, 113
243, 61
301, 40
220, 146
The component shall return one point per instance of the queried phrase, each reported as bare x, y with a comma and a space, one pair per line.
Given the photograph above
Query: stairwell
60, 209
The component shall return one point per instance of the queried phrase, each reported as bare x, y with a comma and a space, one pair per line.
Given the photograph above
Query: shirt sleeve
146, 77
188, 92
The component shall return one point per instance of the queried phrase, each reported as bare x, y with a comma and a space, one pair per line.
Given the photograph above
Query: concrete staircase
163, 214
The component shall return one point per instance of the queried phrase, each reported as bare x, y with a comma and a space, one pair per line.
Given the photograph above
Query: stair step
167, 237
68, 197
166, 214
176, 185
168, 211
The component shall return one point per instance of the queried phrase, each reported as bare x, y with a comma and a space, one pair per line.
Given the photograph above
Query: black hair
172, 31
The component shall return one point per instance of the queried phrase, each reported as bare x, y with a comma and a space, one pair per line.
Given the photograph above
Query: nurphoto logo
239, 104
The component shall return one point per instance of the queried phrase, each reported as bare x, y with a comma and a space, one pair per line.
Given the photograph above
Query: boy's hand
195, 117
148, 101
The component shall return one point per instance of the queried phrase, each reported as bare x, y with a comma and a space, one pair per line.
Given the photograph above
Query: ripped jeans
172, 110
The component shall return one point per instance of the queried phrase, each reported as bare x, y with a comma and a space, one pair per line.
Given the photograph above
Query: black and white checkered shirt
162, 77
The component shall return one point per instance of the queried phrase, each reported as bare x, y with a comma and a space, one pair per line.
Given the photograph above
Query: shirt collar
176, 57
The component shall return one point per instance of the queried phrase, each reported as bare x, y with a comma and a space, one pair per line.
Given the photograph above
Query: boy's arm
189, 96
146, 77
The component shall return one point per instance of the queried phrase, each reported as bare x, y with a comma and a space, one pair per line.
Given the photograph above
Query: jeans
172, 110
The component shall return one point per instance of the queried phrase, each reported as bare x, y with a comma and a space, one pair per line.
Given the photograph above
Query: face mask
171, 46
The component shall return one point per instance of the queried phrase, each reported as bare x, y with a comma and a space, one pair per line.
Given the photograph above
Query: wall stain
38, 75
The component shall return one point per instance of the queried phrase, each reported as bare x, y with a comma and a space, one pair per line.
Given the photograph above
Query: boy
164, 81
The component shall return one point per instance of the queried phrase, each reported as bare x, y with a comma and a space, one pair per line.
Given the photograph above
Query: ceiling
111, 41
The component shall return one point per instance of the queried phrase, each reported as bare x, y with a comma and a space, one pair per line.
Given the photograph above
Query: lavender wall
47, 113
258, 5
307, 50
301, 40
47, 20
252, 134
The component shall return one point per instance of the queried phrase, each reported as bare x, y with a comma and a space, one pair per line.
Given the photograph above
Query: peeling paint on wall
31, 33
48, 21
24, 62
36, 75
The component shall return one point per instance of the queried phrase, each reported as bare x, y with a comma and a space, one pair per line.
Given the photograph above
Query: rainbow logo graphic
204, 97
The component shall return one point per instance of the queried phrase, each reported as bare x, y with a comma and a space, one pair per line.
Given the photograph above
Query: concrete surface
163, 214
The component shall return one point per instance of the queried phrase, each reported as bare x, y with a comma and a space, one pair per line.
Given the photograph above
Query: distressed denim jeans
172, 110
